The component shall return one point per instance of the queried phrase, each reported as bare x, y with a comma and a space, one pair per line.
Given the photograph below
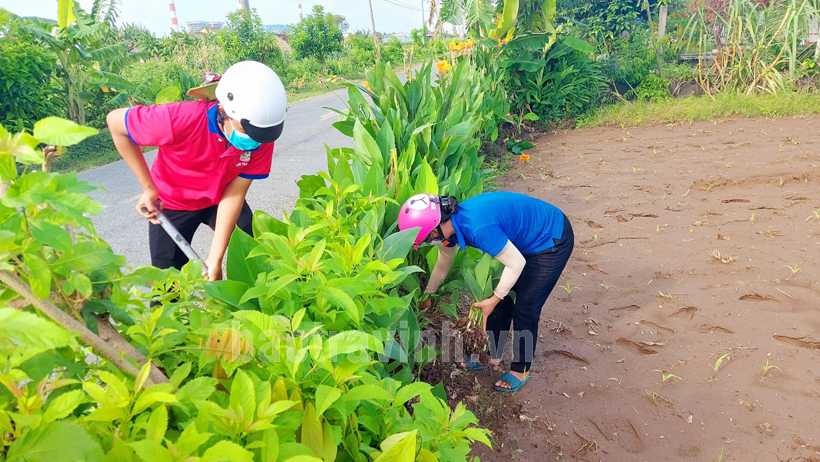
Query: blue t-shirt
488, 220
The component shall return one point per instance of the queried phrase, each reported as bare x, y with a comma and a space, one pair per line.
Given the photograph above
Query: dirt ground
693, 242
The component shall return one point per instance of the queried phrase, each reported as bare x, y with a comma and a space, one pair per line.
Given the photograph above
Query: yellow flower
470, 42
453, 45
524, 157
367, 85
443, 66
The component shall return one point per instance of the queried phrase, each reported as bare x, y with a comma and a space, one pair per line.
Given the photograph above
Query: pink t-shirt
194, 161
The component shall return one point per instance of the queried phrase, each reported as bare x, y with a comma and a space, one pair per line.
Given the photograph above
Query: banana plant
82, 47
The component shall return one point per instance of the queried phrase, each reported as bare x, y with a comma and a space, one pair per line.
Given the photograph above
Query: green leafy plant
296, 355
667, 376
80, 44
719, 361
652, 88
767, 367
318, 35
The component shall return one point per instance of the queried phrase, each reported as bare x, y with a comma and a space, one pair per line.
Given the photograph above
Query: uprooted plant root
471, 335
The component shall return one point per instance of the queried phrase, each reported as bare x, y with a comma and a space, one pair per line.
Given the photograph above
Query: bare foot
522, 376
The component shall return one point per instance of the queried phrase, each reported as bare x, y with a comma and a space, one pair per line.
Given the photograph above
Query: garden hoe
177, 237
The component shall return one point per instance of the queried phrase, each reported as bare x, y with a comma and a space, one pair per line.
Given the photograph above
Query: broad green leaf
238, 266
54, 442
8, 169
365, 146
270, 448
148, 399
426, 181
39, 275
115, 386
242, 397
196, 389
167, 95
31, 334
367, 392
226, 451
190, 440
576, 44
409, 332
78, 282
180, 374
325, 397
426, 456
63, 405
482, 270
351, 341
397, 245
400, 447
339, 298
329, 443
264, 223
230, 292
65, 13
51, 235
408, 392
530, 116
61, 132
157, 425
303, 458
311, 431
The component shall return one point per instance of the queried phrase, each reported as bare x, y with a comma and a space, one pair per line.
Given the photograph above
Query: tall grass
757, 44
685, 110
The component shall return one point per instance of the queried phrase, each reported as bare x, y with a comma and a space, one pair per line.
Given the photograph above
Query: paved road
299, 152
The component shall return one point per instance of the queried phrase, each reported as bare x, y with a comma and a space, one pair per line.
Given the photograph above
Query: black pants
539, 277
164, 251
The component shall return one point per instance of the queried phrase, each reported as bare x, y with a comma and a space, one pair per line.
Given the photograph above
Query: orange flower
443, 66
367, 85
524, 157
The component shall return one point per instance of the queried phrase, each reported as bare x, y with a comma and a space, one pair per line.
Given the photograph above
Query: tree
26, 91
318, 35
245, 38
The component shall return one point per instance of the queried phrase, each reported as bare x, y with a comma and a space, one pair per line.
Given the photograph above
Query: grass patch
636, 113
91, 152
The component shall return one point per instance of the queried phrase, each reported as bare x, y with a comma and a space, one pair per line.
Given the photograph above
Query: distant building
278, 28
204, 26
404, 38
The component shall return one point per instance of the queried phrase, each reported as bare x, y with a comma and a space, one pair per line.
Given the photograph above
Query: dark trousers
539, 277
164, 251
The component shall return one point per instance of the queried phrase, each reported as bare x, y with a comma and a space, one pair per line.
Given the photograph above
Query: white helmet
253, 94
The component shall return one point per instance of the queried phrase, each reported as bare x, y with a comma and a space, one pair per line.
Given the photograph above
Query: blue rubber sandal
472, 365
513, 381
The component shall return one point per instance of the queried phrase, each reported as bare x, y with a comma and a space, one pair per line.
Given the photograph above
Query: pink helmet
421, 210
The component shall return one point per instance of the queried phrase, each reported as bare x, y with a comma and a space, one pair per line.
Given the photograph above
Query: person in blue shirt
533, 239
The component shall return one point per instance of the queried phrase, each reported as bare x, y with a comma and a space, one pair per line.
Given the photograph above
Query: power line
401, 5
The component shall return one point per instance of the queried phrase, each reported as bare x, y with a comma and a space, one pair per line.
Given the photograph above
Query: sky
154, 14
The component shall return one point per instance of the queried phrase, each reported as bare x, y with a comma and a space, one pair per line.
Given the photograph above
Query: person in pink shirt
209, 152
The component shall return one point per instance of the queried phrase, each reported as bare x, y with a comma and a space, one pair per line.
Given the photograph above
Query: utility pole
244, 4
422, 17
373, 25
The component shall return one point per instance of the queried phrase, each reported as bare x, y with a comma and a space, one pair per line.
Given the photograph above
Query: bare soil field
687, 326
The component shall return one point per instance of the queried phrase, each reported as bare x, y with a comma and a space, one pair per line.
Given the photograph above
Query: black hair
449, 206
